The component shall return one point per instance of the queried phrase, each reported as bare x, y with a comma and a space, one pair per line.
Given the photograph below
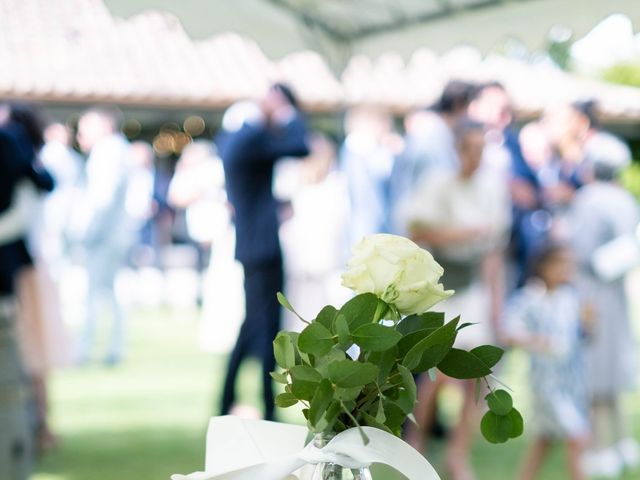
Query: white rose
396, 270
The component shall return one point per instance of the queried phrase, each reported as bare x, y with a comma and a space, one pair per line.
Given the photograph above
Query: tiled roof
74, 51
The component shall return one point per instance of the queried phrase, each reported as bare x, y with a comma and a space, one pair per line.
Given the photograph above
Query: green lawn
146, 419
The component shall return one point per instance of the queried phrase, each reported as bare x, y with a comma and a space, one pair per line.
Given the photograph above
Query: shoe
629, 452
606, 463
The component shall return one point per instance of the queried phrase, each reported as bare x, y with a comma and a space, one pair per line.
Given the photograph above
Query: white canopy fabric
76, 51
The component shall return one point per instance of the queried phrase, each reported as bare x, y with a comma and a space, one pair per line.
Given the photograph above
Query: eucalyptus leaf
347, 394
517, 423
327, 316
463, 365
395, 417
408, 382
430, 351
496, 428
285, 400
304, 381
341, 328
348, 373
284, 351
375, 337
280, 377
488, 354
424, 321
499, 402
385, 361
285, 303
380, 415
315, 339
360, 310
375, 423
323, 362
320, 401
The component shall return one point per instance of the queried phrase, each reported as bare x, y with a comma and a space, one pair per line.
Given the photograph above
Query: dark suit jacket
248, 156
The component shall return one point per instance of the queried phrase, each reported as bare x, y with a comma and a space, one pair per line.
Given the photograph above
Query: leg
246, 336
272, 282
575, 448
424, 411
533, 461
460, 443
91, 314
116, 343
116, 258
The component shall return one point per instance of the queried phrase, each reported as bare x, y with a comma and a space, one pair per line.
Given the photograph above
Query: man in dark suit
249, 154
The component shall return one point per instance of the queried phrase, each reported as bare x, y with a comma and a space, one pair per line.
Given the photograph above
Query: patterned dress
557, 367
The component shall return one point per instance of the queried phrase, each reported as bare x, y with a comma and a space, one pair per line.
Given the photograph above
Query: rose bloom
396, 270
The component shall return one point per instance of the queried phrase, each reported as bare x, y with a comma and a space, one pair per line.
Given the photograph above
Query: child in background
544, 318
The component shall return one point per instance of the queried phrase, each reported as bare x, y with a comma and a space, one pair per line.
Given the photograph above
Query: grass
146, 419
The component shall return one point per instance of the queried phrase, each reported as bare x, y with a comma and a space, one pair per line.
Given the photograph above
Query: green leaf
360, 310
433, 374
496, 428
395, 417
375, 337
347, 373
463, 365
285, 400
334, 355
478, 388
304, 381
467, 324
406, 400
499, 402
488, 354
284, 351
320, 401
347, 394
315, 339
347, 410
428, 353
373, 422
424, 321
327, 316
279, 377
408, 382
285, 303
380, 416
341, 327
385, 361
517, 423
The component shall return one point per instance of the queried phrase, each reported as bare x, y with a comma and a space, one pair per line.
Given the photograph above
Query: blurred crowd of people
528, 222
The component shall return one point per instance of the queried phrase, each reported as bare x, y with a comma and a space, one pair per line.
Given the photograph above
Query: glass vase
334, 471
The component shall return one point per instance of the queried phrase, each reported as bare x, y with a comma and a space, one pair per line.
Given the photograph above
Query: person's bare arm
494, 277
443, 236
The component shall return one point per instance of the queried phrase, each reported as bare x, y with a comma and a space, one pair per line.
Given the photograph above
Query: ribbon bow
239, 449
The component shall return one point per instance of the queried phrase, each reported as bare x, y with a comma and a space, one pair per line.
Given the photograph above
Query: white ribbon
240, 449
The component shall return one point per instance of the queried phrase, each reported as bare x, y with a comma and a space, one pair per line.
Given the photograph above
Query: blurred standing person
16, 430
367, 157
107, 237
603, 211
313, 237
140, 202
463, 217
198, 187
429, 145
248, 155
65, 165
545, 318
40, 330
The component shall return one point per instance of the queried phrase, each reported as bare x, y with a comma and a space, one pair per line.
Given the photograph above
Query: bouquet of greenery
355, 366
